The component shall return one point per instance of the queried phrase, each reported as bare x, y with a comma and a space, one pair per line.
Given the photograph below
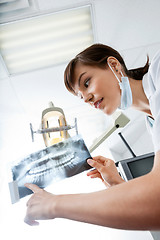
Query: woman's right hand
105, 169
41, 205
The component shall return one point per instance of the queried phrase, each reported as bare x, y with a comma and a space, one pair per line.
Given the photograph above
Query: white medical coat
151, 85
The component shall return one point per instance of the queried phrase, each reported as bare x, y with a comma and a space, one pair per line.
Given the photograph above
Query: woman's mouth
97, 104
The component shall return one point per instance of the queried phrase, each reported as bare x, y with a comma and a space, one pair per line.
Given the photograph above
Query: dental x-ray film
49, 165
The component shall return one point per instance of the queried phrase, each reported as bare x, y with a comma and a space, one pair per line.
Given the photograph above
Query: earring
116, 70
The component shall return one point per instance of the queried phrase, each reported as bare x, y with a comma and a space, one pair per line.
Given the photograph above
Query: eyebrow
79, 80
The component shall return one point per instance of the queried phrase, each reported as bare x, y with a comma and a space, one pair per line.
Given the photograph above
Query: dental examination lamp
120, 121
54, 127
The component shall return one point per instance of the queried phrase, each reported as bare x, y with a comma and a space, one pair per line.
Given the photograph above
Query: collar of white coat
150, 121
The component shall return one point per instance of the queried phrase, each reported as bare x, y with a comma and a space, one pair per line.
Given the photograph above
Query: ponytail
138, 73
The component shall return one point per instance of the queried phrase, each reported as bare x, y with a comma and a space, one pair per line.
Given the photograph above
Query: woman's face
98, 87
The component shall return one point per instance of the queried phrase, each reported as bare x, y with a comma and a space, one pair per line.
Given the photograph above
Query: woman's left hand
105, 169
40, 206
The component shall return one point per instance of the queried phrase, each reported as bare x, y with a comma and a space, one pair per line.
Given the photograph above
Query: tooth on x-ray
49, 165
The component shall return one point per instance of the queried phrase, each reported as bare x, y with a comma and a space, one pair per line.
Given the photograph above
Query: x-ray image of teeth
49, 165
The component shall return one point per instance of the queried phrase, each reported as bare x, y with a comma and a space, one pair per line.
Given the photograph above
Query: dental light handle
120, 120
102, 137
55, 129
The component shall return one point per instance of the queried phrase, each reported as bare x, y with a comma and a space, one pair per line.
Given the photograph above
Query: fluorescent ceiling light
13, 5
45, 40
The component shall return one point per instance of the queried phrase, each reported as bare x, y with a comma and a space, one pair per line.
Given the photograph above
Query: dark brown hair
96, 55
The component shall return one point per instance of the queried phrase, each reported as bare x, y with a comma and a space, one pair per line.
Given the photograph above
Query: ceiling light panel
45, 40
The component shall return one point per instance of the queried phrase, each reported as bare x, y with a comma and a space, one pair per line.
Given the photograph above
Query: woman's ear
114, 64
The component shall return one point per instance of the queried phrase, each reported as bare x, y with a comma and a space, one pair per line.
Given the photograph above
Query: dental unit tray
49, 165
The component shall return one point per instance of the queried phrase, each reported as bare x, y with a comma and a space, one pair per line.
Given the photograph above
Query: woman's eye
86, 84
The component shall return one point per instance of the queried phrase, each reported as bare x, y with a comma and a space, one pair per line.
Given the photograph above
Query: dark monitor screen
136, 166
141, 167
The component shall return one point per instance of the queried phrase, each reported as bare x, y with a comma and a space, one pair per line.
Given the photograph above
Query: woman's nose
88, 98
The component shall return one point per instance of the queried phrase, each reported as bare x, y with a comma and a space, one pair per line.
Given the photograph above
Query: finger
100, 159
95, 164
32, 187
96, 175
31, 222
92, 172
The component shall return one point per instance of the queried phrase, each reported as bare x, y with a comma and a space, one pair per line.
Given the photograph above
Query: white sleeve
155, 101
155, 70
156, 126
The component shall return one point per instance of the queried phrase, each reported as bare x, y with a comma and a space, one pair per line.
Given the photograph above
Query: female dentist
99, 76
